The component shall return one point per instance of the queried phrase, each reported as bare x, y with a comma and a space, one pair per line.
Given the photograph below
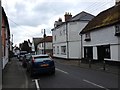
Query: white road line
95, 84
61, 71
37, 85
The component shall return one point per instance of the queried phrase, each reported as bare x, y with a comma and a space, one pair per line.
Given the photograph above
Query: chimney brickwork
68, 16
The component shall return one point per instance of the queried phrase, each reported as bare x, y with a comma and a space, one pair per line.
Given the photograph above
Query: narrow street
66, 76
66, 44
75, 77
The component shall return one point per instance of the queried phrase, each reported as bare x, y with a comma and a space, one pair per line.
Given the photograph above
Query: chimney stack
68, 16
117, 2
57, 23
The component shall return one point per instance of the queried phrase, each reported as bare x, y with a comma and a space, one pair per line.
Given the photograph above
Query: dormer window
117, 30
87, 37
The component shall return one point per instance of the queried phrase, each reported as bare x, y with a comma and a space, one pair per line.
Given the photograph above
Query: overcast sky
28, 17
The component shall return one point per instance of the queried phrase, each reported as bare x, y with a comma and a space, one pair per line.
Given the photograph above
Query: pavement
13, 75
108, 68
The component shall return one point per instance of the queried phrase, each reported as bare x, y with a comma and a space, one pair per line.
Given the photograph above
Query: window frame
63, 50
57, 49
87, 37
107, 51
117, 30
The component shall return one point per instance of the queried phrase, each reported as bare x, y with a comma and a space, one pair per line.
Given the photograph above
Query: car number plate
44, 65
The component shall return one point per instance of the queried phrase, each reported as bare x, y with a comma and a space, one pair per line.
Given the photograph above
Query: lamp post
44, 36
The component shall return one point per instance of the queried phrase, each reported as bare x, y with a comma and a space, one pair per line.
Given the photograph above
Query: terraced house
5, 39
45, 44
66, 39
101, 36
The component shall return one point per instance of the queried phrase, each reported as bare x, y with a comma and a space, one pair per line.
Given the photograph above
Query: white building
35, 42
66, 39
48, 45
101, 37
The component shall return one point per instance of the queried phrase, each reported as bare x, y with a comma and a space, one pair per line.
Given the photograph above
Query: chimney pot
117, 2
67, 16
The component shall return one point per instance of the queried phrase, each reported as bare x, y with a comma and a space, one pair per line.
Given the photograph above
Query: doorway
100, 53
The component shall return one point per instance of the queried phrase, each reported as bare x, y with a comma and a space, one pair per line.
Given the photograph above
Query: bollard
103, 65
89, 63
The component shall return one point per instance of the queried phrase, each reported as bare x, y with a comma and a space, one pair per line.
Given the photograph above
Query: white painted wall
74, 38
60, 55
60, 34
119, 52
75, 50
74, 28
74, 42
95, 53
114, 52
103, 36
48, 45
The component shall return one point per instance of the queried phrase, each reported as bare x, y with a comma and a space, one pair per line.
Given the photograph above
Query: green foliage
25, 47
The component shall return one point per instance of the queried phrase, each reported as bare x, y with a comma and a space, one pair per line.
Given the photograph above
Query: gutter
81, 46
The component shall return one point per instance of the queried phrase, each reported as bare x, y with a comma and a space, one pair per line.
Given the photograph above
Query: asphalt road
66, 76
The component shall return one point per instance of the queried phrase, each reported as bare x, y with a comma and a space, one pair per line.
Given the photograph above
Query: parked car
40, 64
21, 55
26, 59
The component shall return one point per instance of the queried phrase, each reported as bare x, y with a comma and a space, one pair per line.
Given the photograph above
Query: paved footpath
14, 76
96, 66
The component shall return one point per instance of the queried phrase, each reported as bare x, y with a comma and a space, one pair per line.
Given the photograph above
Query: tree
25, 47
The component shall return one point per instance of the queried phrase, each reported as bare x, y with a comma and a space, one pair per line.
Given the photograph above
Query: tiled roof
82, 16
36, 41
47, 39
106, 18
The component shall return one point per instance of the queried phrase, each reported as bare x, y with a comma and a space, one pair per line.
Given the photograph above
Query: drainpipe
0, 46
81, 46
67, 41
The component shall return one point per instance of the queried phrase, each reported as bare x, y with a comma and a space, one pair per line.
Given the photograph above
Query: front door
88, 52
100, 53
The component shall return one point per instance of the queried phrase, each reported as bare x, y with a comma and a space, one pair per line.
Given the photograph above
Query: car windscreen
28, 56
41, 58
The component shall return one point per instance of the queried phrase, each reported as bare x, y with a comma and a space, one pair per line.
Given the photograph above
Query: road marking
61, 71
95, 84
37, 85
